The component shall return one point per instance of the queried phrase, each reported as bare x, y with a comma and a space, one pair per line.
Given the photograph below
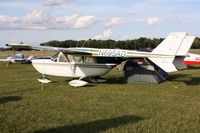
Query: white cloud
141, 20
74, 22
7, 19
150, 21
36, 16
39, 19
7, 22
114, 21
153, 20
107, 34
56, 2
83, 21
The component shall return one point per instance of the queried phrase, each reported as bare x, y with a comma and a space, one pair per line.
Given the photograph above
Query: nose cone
42, 65
38, 65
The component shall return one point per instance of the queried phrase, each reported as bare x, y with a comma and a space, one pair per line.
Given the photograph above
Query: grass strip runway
106, 107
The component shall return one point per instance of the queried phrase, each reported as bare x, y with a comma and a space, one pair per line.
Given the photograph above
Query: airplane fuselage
67, 69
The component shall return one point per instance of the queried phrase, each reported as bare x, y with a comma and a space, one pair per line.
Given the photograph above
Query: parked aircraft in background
18, 58
192, 59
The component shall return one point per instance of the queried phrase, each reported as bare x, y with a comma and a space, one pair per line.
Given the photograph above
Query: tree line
126, 44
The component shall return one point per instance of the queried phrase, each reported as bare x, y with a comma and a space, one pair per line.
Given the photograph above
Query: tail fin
170, 46
185, 46
182, 52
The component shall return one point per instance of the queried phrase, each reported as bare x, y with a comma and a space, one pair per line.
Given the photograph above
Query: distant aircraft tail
176, 44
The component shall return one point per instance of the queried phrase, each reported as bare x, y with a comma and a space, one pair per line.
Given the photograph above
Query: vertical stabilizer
168, 47
185, 46
171, 44
182, 52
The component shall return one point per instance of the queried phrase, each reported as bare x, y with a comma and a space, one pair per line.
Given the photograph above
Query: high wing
8, 59
16, 46
4, 60
46, 48
59, 49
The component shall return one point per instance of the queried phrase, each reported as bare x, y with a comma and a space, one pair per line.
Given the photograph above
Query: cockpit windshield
19, 56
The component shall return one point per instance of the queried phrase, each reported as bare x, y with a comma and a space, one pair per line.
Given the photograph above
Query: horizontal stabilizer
179, 62
164, 64
7, 59
3, 60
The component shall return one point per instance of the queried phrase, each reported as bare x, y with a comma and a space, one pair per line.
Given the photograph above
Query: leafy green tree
126, 44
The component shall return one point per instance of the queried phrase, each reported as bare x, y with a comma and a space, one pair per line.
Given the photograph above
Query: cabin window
70, 58
78, 59
59, 57
19, 56
89, 59
62, 58
55, 57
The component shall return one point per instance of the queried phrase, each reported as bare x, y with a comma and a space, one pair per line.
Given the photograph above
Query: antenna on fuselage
84, 42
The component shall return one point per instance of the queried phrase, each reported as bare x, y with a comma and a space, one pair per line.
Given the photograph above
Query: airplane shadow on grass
118, 80
20, 91
185, 78
188, 79
94, 126
7, 99
194, 67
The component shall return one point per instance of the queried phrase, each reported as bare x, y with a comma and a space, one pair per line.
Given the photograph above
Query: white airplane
91, 62
14, 59
18, 58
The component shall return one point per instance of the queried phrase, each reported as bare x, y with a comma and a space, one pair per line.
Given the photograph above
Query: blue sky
37, 21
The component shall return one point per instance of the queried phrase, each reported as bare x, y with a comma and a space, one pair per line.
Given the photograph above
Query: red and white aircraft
192, 59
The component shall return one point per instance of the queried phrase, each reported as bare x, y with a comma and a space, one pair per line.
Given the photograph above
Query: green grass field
106, 107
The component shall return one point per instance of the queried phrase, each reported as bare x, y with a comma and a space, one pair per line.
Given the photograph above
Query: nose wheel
44, 80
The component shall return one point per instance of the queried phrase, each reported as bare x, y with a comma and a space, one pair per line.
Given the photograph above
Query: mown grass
106, 107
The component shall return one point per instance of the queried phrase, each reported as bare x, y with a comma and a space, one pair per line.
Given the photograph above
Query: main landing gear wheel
77, 83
